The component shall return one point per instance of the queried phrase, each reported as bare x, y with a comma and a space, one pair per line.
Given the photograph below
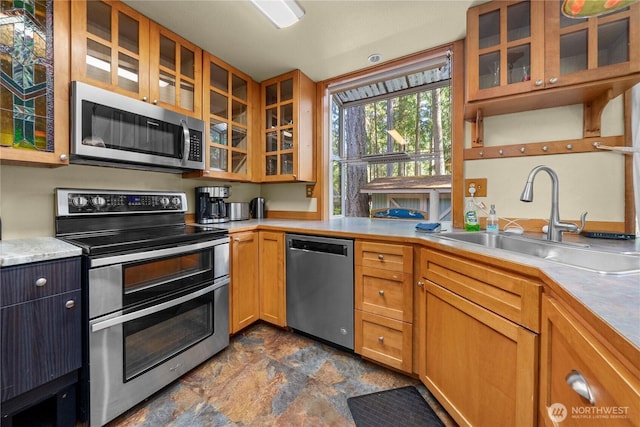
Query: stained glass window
26, 74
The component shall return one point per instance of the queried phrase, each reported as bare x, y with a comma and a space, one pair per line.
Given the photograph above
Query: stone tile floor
270, 377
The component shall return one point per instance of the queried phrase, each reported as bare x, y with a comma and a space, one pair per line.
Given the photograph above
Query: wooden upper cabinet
228, 106
287, 131
175, 72
588, 49
110, 47
116, 48
504, 47
530, 48
27, 136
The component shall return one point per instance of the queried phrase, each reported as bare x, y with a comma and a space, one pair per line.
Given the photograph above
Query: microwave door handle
187, 142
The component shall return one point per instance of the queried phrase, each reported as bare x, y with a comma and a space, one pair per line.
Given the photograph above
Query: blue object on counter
428, 227
400, 213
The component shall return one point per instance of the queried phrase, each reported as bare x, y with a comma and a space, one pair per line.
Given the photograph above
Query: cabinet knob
380, 339
580, 385
380, 257
553, 80
145, 99
539, 82
236, 239
295, 177
381, 292
41, 282
155, 102
420, 284
70, 304
63, 157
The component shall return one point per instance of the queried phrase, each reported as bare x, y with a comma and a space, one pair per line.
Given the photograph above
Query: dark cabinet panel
40, 324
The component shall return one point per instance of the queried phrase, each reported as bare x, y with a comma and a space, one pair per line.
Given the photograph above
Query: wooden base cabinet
476, 355
384, 303
272, 278
244, 304
603, 391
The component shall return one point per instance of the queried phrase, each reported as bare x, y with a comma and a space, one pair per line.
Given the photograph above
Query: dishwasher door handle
317, 247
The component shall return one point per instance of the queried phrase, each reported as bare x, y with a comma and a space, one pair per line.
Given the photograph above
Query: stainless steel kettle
257, 208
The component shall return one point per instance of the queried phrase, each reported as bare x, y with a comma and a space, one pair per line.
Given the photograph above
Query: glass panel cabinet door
228, 113
504, 38
287, 128
279, 127
28, 107
175, 72
588, 49
110, 47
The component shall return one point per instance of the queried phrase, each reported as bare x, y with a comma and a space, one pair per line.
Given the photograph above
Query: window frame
323, 125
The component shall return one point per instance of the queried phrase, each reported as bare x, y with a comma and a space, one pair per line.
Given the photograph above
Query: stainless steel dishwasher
320, 287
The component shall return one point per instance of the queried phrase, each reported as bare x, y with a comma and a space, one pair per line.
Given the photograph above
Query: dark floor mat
403, 406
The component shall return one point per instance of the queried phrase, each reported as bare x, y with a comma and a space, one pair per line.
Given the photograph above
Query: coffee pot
210, 205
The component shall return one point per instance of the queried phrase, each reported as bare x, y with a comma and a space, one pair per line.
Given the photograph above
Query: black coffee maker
210, 205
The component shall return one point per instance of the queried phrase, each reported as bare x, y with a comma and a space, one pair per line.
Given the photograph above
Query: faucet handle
582, 222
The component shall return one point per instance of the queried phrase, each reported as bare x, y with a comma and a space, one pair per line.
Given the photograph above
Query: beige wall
592, 182
27, 193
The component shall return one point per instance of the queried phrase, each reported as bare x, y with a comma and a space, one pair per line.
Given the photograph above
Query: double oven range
155, 293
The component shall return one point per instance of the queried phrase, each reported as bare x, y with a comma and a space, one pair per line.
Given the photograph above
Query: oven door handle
156, 308
156, 253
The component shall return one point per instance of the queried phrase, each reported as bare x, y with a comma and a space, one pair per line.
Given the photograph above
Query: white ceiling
333, 38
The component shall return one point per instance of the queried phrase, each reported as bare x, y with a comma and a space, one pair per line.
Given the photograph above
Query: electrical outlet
310, 190
480, 185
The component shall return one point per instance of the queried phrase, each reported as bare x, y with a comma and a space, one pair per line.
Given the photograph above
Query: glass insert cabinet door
591, 48
504, 39
279, 128
27, 78
227, 105
111, 47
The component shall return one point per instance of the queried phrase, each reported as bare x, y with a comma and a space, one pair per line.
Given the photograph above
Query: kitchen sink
564, 253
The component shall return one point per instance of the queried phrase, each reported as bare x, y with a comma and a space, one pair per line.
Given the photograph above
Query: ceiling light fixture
374, 58
283, 13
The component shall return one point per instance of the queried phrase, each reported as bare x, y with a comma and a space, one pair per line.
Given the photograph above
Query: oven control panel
83, 202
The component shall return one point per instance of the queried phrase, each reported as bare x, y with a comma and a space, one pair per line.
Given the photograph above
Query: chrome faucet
556, 227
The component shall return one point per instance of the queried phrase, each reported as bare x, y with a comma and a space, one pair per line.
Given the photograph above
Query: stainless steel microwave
109, 129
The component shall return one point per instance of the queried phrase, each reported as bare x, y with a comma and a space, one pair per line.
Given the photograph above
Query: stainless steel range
155, 293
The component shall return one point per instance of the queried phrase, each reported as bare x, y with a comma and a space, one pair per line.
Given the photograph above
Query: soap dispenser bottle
471, 216
492, 221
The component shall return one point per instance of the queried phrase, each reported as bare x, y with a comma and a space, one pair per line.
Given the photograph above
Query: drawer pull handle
70, 304
380, 257
380, 340
41, 282
381, 292
420, 284
580, 385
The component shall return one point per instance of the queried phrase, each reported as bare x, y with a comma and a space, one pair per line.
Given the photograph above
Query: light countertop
613, 298
35, 249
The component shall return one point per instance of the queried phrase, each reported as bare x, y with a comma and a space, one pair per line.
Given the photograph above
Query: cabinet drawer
385, 256
384, 292
568, 348
32, 281
384, 340
499, 290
